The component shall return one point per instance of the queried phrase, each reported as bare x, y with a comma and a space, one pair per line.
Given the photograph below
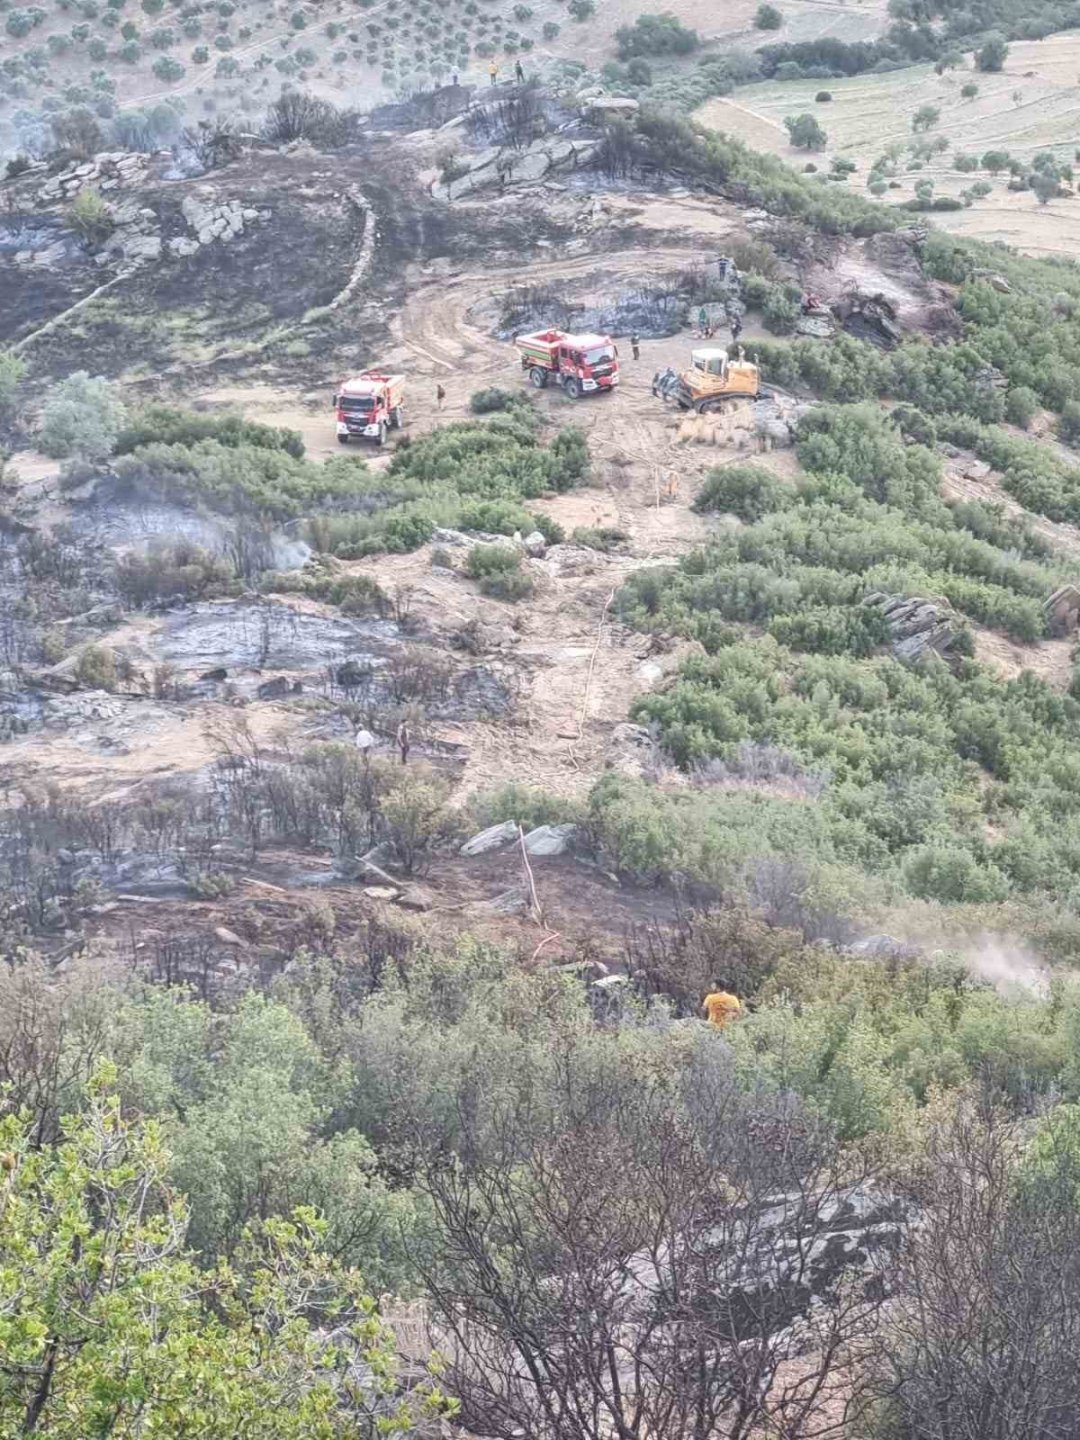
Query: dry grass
1033, 105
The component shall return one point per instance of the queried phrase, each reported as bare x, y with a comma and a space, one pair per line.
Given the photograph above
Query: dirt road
577, 670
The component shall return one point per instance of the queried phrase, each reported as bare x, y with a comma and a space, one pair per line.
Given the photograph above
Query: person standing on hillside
736, 328
493, 72
635, 345
440, 396
519, 73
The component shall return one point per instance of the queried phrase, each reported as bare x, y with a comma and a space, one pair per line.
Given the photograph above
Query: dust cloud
1004, 962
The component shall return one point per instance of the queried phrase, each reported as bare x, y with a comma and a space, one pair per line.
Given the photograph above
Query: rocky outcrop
550, 839
493, 838
1063, 609
500, 166
140, 234
917, 625
108, 172
210, 219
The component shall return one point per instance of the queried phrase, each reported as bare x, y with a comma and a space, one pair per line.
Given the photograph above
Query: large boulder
493, 838
550, 839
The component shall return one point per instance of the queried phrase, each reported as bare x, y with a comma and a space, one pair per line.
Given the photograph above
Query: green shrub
81, 418
527, 806
497, 569
780, 313
600, 537
90, 217
767, 17
748, 491
953, 876
169, 425
653, 35
167, 69
12, 370
1069, 429
1021, 405
96, 668
991, 58
486, 402
805, 132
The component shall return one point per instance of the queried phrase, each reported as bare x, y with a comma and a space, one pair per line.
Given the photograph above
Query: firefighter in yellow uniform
721, 1007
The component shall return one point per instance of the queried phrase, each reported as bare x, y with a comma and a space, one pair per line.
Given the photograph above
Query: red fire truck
368, 405
582, 364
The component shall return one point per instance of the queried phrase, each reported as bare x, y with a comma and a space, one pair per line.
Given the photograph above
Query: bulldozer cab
710, 362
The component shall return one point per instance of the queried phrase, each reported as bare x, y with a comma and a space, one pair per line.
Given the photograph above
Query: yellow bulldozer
712, 380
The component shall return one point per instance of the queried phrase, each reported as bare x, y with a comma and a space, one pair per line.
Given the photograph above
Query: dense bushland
474, 475
895, 751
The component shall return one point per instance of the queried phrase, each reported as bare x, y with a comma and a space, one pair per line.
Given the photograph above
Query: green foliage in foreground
108, 1326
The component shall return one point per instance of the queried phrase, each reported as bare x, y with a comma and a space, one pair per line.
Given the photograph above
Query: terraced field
1031, 106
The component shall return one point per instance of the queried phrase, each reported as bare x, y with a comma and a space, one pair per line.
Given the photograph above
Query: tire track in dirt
580, 668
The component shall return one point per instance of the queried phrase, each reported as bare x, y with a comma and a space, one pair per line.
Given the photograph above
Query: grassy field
1033, 105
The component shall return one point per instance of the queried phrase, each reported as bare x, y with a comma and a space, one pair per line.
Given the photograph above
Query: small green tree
995, 51
925, 118
1021, 404
90, 217
12, 370
110, 1328
416, 816
81, 418
805, 132
168, 69
1069, 429
1046, 184
96, 668
768, 17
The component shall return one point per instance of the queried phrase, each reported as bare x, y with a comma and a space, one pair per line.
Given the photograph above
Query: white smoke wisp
1006, 963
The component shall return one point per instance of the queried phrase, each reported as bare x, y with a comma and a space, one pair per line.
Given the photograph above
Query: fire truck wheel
538, 376
342, 439
572, 387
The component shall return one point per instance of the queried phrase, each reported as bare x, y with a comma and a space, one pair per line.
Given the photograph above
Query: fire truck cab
368, 405
582, 364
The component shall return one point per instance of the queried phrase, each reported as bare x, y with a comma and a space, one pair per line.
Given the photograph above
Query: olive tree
81, 418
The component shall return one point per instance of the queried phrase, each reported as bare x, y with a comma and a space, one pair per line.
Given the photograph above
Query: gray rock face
501, 167
535, 545
493, 838
917, 625
550, 839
